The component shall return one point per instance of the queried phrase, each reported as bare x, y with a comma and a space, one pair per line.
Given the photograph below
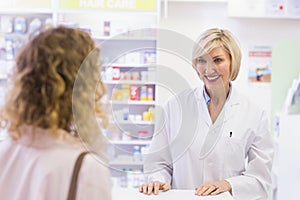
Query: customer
208, 133
37, 160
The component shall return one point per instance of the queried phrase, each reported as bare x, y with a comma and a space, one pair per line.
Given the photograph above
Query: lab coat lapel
231, 106
213, 135
203, 111
215, 131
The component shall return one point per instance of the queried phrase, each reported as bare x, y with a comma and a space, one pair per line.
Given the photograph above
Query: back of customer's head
43, 81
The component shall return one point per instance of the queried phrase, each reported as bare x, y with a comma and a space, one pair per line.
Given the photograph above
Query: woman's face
214, 69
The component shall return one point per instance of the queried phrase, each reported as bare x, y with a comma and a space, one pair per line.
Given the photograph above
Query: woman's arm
256, 181
158, 161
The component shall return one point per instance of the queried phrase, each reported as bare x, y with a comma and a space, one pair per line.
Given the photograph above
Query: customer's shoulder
95, 163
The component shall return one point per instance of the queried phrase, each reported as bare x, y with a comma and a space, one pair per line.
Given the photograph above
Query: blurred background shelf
130, 142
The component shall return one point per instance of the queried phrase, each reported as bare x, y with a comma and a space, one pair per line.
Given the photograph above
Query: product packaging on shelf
150, 93
151, 113
150, 57
125, 114
106, 28
143, 134
116, 73
20, 25
135, 76
134, 92
6, 24
145, 116
137, 153
143, 96
9, 48
34, 25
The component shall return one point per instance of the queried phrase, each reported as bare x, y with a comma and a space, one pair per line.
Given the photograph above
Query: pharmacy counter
133, 194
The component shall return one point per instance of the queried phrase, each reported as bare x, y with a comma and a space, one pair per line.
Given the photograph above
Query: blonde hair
213, 38
43, 79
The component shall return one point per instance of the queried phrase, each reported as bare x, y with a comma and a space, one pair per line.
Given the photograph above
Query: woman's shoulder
95, 175
96, 163
246, 102
94, 178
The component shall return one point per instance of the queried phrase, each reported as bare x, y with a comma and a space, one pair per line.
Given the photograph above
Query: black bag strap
73, 185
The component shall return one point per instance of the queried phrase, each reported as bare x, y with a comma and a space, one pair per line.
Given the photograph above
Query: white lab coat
187, 150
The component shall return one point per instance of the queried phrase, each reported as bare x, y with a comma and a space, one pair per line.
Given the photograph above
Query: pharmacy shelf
103, 12
133, 122
129, 65
118, 37
130, 142
25, 11
200, 1
129, 82
125, 163
129, 102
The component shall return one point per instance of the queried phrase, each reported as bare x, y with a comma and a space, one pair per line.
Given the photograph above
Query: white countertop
133, 194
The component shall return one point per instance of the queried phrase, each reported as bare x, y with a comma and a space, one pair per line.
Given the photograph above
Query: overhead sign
5, 4
45, 4
134, 5
30, 4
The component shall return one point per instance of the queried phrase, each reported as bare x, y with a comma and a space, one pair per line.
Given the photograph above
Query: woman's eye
201, 61
218, 60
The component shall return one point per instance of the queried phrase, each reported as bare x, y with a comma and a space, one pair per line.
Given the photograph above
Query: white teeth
212, 78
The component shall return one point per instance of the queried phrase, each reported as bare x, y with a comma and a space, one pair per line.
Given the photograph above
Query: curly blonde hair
42, 89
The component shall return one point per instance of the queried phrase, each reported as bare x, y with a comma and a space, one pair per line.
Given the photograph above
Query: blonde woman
212, 139
49, 123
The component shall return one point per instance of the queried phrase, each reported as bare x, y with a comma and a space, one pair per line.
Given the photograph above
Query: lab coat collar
230, 105
204, 114
207, 98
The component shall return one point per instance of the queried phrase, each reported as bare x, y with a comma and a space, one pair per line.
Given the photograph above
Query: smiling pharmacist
206, 134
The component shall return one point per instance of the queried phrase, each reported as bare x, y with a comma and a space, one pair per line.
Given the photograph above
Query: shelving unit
18, 20
125, 163
138, 82
131, 142
129, 102
135, 122
202, 1
129, 70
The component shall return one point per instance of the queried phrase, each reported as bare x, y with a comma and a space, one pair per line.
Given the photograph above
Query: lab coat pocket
234, 155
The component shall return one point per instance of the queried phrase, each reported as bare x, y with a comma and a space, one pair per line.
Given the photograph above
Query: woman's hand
148, 188
213, 188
